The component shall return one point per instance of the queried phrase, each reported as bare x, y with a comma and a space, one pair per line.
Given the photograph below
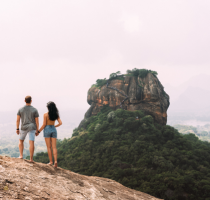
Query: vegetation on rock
131, 148
142, 73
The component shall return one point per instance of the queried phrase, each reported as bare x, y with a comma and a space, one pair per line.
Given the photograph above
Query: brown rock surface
20, 179
146, 94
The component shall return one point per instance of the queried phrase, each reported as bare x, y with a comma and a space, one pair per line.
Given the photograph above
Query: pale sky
55, 50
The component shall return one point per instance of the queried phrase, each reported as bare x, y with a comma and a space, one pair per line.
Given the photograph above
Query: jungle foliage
131, 148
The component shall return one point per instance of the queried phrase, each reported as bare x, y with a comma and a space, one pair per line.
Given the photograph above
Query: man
29, 125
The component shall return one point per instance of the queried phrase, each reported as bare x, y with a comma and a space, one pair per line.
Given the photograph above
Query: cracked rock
45, 182
132, 93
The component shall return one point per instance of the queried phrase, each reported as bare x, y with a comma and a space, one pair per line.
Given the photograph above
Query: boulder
132, 93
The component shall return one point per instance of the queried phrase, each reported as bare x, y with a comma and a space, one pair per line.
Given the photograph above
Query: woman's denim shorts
50, 131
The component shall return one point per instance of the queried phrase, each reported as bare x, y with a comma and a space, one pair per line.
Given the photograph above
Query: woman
50, 132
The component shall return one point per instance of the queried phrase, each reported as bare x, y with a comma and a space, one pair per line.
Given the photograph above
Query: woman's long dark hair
53, 111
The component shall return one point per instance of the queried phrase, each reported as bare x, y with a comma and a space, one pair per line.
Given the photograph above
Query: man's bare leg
31, 149
21, 147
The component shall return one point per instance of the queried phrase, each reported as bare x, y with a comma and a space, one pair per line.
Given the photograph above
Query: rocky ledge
20, 179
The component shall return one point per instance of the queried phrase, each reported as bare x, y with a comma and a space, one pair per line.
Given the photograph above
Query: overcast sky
56, 49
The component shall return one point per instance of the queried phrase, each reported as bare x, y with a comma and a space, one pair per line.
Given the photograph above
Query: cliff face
132, 93
20, 179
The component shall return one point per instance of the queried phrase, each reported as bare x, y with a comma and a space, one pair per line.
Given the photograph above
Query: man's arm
37, 125
44, 123
18, 124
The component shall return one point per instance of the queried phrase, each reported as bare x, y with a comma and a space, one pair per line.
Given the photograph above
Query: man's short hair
28, 99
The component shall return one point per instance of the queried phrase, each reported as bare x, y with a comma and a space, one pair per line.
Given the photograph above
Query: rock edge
20, 179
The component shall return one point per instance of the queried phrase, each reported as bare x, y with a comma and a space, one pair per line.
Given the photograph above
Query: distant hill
201, 81
202, 132
190, 101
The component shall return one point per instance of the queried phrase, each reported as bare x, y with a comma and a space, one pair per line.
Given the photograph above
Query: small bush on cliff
102, 82
141, 72
114, 75
131, 148
99, 83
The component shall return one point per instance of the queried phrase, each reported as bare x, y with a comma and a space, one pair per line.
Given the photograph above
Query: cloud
131, 23
57, 49
165, 32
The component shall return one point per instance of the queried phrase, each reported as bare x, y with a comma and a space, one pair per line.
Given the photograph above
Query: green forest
132, 149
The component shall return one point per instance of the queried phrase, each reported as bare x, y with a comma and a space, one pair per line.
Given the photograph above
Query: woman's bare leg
54, 151
48, 143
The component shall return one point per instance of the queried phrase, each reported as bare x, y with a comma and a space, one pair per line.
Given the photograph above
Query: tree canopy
131, 148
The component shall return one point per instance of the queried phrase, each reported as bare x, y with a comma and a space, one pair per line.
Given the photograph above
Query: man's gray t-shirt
28, 115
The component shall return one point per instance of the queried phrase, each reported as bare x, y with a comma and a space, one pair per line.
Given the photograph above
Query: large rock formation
20, 179
132, 93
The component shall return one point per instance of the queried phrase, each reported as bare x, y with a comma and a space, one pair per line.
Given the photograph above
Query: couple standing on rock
30, 125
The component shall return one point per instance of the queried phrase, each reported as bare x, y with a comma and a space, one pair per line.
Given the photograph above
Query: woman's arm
59, 122
44, 123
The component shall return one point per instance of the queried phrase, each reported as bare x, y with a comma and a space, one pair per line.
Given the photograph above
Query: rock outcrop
132, 93
20, 179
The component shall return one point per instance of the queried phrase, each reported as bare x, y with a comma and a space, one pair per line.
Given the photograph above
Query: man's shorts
30, 133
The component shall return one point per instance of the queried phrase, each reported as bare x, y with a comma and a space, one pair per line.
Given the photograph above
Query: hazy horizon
55, 50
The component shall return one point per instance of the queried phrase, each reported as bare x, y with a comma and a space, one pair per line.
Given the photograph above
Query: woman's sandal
55, 164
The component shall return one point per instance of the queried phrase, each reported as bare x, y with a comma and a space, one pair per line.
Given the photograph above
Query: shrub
117, 75
142, 73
